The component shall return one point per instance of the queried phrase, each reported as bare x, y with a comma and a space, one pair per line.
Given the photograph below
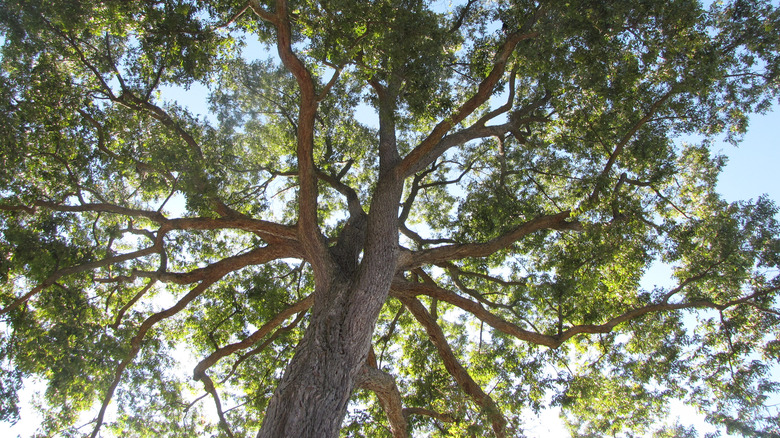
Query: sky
753, 168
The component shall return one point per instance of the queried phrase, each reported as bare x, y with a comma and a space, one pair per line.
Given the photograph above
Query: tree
478, 253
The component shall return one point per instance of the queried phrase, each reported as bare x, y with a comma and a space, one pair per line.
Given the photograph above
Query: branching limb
266, 254
233, 18
403, 289
264, 14
460, 272
419, 240
135, 343
353, 202
417, 186
311, 237
384, 386
455, 276
154, 216
658, 193
454, 367
421, 155
654, 308
386, 337
157, 247
121, 313
209, 385
463, 12
232, 263
624, 141
271, 231
328, 86
263, 345
250, 340
558, 221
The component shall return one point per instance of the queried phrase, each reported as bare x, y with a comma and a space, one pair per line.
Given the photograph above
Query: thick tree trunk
312, 396
311, 399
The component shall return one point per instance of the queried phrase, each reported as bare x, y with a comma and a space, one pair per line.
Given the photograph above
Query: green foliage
138, 239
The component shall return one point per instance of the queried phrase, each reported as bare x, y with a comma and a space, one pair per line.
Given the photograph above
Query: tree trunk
312, 396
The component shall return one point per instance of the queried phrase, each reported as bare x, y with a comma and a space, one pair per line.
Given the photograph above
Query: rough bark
311, 398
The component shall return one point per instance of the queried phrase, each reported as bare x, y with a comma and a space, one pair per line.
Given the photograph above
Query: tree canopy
472, 250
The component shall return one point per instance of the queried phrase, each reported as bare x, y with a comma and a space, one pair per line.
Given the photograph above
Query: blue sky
753, 168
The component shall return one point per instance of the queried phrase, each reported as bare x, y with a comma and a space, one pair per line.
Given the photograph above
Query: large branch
284, 237
353, 201
421, 155
250, 340
383, 385
232, 263
135, 344
403, 289
211, 389
517, 118
454, 367
101, 207
51, 279
268, 254
558, 221
311, 236
271, 231
660, 307
268, 340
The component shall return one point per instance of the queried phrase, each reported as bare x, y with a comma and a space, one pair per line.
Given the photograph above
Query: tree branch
121, 313
624, 141
558, 221
454, 367
209, 385
419, 157
384, 386
81, 268
270, 231
250, 340
135, 343
403, 289
262, 346
311, 237
661, 307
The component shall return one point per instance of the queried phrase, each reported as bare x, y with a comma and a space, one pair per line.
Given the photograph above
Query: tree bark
311, 398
